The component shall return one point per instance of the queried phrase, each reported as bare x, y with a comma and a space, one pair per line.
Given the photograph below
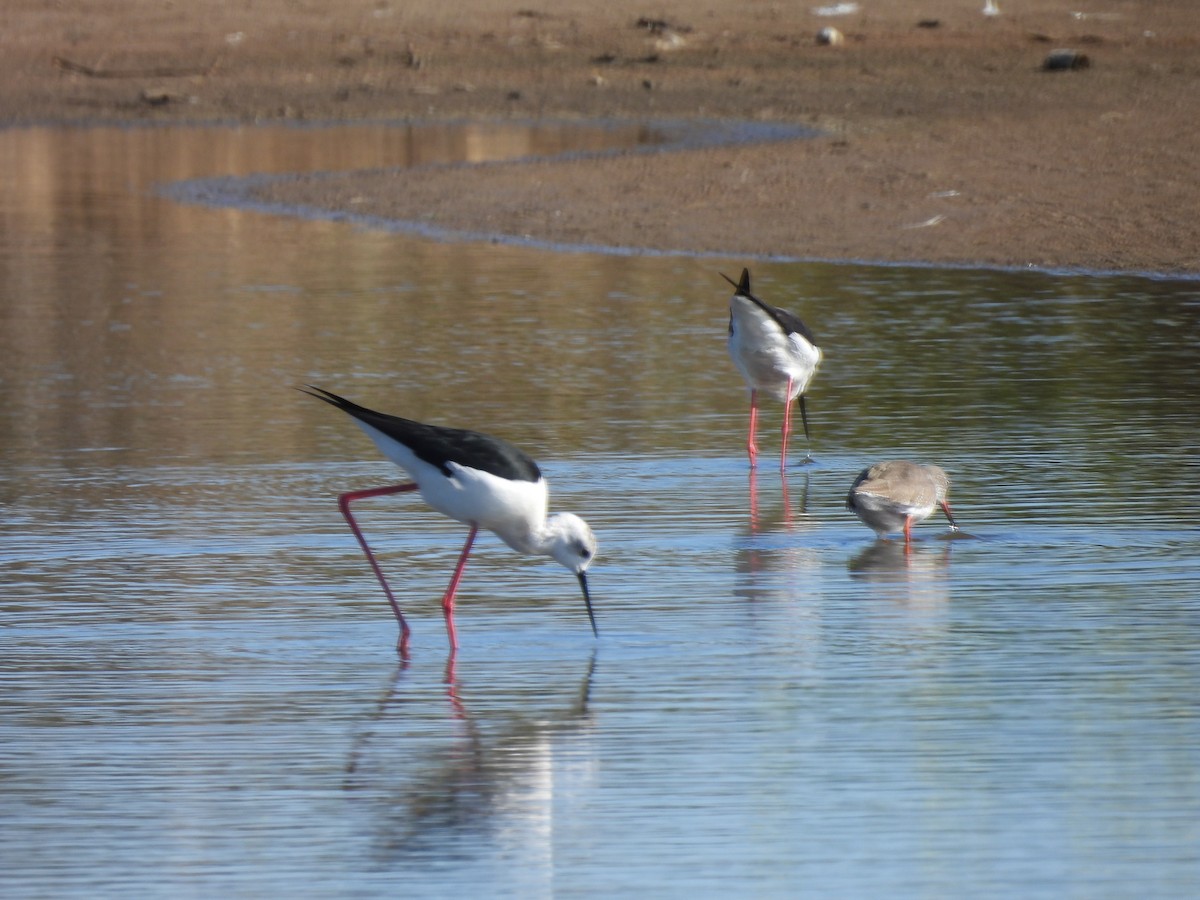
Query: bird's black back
440, 446
789, 322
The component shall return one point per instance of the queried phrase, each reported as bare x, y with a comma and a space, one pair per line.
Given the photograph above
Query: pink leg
460, 711
448, 599
907, 530
787, 429
787, 504
753, 504
344, 502
751, 446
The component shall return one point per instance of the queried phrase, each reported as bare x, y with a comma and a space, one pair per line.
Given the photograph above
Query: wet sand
942, 137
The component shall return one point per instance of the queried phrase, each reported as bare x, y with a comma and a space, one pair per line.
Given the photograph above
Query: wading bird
481, 481
895, 495
775, 353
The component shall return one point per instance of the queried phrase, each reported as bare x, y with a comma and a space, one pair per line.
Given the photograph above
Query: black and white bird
896, 495
481, 481
775, 353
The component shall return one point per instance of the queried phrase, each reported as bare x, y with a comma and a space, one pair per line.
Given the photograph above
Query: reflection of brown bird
895, 495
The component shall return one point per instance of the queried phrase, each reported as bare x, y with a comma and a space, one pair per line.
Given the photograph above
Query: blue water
199, 691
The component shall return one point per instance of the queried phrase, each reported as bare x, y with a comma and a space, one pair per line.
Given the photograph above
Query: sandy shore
943, 139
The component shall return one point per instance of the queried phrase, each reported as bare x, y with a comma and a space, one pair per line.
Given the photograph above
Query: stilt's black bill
588, 600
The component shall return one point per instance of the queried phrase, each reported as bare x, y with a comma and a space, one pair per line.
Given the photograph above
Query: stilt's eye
584, 552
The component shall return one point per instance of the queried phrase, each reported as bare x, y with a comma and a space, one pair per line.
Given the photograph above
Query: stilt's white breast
511, 509
766, 355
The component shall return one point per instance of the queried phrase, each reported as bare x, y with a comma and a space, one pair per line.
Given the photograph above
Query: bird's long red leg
448, 599
460, 711
787, 427
344, 502
753, 504
751, 446
907, 530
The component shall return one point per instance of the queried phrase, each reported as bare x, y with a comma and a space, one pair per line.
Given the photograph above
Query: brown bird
895, 495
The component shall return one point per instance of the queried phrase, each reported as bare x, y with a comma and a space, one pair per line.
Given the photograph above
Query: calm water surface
200, 693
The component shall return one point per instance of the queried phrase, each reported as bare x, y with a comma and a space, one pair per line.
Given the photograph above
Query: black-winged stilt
481, 481
775, 353
895, 495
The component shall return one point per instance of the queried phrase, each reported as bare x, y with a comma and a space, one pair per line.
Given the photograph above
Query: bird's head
574, 546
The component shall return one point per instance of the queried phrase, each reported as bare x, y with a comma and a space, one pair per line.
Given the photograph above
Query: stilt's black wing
789, 322
439, 446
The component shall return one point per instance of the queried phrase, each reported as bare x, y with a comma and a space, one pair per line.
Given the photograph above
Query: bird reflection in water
916, 576
785, 516
771, 565
884, 559
492, 773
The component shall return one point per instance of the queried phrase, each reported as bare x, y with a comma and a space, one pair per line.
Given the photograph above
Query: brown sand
944, 144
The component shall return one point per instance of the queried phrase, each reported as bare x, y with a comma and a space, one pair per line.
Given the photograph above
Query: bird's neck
537, 540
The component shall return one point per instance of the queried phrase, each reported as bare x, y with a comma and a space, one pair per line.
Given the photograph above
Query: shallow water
200, 691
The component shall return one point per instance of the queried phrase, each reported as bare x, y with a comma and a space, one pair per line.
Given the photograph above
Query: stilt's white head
572, 542
574, 546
